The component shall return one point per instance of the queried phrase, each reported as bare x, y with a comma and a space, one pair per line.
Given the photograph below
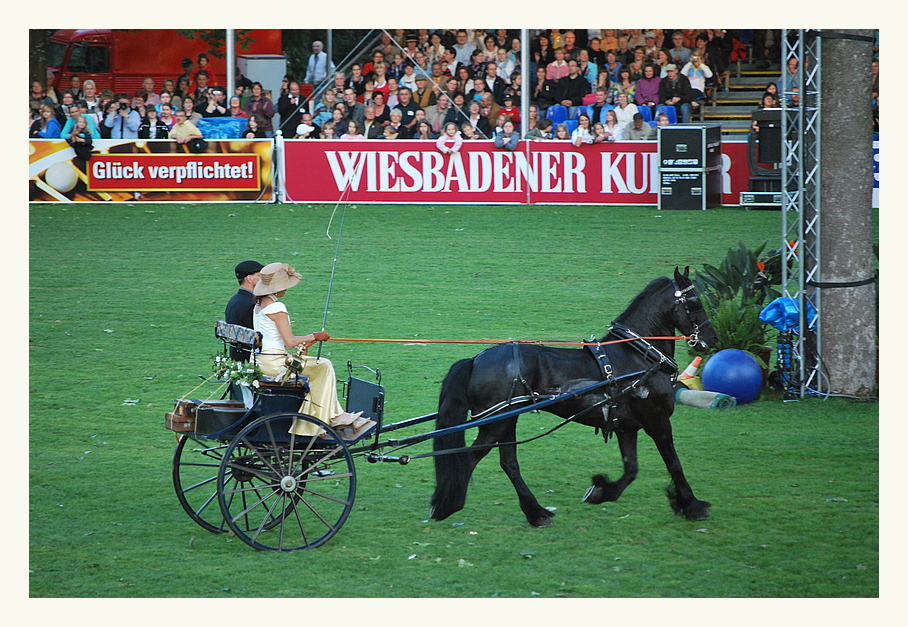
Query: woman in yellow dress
271, 319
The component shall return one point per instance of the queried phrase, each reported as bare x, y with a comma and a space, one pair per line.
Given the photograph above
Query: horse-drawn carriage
240, 467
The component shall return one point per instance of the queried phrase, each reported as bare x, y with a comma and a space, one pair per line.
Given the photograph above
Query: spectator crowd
447, 86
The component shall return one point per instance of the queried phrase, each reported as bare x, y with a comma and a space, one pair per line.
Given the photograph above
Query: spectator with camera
124, 122
200, 90
216, 105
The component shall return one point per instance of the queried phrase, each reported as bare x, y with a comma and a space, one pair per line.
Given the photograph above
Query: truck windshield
55, 54
89, 60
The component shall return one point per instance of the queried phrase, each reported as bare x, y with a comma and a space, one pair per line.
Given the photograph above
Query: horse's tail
452, 471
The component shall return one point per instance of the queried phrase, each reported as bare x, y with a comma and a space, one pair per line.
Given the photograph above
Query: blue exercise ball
733, 372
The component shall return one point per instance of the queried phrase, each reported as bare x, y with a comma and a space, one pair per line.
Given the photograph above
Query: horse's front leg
536, 515
604, 490
680, 494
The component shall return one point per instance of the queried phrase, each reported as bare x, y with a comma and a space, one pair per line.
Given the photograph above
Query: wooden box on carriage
202, 417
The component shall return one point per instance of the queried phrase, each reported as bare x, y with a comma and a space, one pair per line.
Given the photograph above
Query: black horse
640, 395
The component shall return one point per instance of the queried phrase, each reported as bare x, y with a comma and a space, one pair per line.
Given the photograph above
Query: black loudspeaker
769, 148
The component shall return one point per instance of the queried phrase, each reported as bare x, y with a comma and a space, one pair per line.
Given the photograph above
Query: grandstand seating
557, 114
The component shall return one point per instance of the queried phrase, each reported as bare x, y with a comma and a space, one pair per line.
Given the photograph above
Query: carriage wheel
282, 492
195, 474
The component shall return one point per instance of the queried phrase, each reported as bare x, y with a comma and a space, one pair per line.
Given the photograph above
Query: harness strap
649, 352
602, 359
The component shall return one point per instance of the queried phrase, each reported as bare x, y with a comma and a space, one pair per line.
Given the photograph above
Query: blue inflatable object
784, 314
222, 128
733, 372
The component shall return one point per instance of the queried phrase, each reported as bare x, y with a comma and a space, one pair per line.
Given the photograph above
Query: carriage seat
244, 338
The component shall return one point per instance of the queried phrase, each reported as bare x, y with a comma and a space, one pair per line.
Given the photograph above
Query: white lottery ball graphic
62, 176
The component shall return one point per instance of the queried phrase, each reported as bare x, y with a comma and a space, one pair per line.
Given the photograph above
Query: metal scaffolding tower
801, 114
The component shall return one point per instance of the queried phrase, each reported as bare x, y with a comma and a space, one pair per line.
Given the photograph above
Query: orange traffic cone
689, 377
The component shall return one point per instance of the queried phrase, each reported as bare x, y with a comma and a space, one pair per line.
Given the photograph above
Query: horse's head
690, 316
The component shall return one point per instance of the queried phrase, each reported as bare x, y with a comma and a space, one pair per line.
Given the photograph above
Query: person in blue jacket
507, 136
47, 126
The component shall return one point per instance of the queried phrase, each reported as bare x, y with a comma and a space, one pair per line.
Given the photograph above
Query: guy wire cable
340, 66
440, 89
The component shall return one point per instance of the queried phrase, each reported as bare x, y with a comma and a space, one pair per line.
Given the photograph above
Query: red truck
120, 59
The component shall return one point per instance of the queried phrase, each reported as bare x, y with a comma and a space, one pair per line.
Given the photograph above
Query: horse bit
682, 299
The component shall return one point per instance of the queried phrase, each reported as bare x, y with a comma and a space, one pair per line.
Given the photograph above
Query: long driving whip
340, 232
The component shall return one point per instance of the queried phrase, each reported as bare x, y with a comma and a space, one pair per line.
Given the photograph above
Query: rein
510, 341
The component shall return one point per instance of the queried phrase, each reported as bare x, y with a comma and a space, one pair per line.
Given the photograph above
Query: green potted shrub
734, 293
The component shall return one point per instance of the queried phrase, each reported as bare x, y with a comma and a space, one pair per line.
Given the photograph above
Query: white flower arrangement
239, 372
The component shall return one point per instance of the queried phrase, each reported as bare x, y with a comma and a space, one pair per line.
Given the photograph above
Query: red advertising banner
201, 172
408, 171
151, 170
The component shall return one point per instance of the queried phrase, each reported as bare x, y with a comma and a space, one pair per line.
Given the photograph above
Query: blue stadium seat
668, 110
646, 112
557, 114
571, 125
652, 123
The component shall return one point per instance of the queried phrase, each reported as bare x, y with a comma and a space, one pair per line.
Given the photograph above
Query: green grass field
123, 300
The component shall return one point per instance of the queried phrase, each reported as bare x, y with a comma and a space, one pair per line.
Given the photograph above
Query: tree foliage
215, 38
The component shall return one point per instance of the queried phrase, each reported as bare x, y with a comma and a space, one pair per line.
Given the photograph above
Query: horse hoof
598, 492
543, 521
593, 495
698, 510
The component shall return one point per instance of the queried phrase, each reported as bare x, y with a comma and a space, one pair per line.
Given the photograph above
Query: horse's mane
641, 314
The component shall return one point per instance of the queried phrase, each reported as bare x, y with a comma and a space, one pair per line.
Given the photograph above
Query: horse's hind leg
680, 494
536, 515
604, 490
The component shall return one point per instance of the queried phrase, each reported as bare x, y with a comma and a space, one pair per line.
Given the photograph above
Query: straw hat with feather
276, 277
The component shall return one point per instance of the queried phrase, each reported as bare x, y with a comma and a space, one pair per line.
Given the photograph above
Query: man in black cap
186, 64
239, 309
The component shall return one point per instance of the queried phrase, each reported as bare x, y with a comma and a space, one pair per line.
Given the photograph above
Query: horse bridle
681, 298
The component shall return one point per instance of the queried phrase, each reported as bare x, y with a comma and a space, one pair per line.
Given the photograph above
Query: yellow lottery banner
151, 170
